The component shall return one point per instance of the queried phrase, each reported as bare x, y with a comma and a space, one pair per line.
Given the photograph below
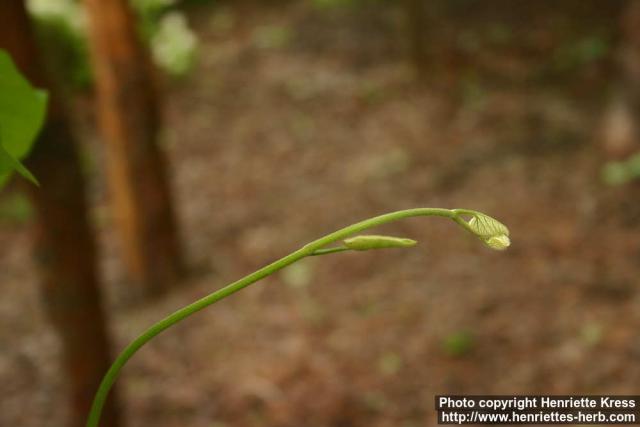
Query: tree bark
620, 131
64, 245
416, 22
129, 117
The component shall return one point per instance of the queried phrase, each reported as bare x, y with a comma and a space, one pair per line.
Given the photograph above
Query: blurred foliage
271, 37
61, 27
15, 209
223, 21
458, 343
618, 173
581, 52
499, 34
474, 95
22, 114
389, 363
592, 333
174, 45
325, 4
150, 13
335, 4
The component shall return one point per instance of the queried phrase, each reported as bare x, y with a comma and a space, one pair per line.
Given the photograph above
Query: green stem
313, 248
329, 250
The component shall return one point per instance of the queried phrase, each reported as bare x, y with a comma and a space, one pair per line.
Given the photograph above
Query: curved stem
313, 248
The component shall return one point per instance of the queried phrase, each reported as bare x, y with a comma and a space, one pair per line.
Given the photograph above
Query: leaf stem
327, 251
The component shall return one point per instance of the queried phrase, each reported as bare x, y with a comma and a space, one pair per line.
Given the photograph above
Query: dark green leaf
22, 114
8, 164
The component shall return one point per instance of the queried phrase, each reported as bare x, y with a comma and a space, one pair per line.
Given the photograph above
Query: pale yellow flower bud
498, 243
491, 231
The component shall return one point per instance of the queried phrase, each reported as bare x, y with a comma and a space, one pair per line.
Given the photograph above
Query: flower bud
498, 243
491, 231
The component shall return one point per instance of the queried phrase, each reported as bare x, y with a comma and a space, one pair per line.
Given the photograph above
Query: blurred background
285, 120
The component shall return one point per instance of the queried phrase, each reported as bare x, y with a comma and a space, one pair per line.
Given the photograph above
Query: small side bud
366, 242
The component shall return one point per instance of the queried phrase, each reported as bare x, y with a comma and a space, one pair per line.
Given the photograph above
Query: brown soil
276, 143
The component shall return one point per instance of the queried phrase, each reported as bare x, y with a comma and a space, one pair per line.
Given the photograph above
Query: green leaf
22, 114
15, 209
9, 164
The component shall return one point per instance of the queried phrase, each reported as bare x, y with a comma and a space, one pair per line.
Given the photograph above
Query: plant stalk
311, 249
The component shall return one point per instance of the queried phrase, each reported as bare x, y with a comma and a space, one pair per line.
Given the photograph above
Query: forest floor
300, 120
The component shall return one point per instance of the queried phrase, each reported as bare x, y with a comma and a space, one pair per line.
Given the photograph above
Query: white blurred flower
68, 11
174, 45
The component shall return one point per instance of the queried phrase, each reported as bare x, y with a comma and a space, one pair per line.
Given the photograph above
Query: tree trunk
620, 131
129, 117
64, 245
416, 22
